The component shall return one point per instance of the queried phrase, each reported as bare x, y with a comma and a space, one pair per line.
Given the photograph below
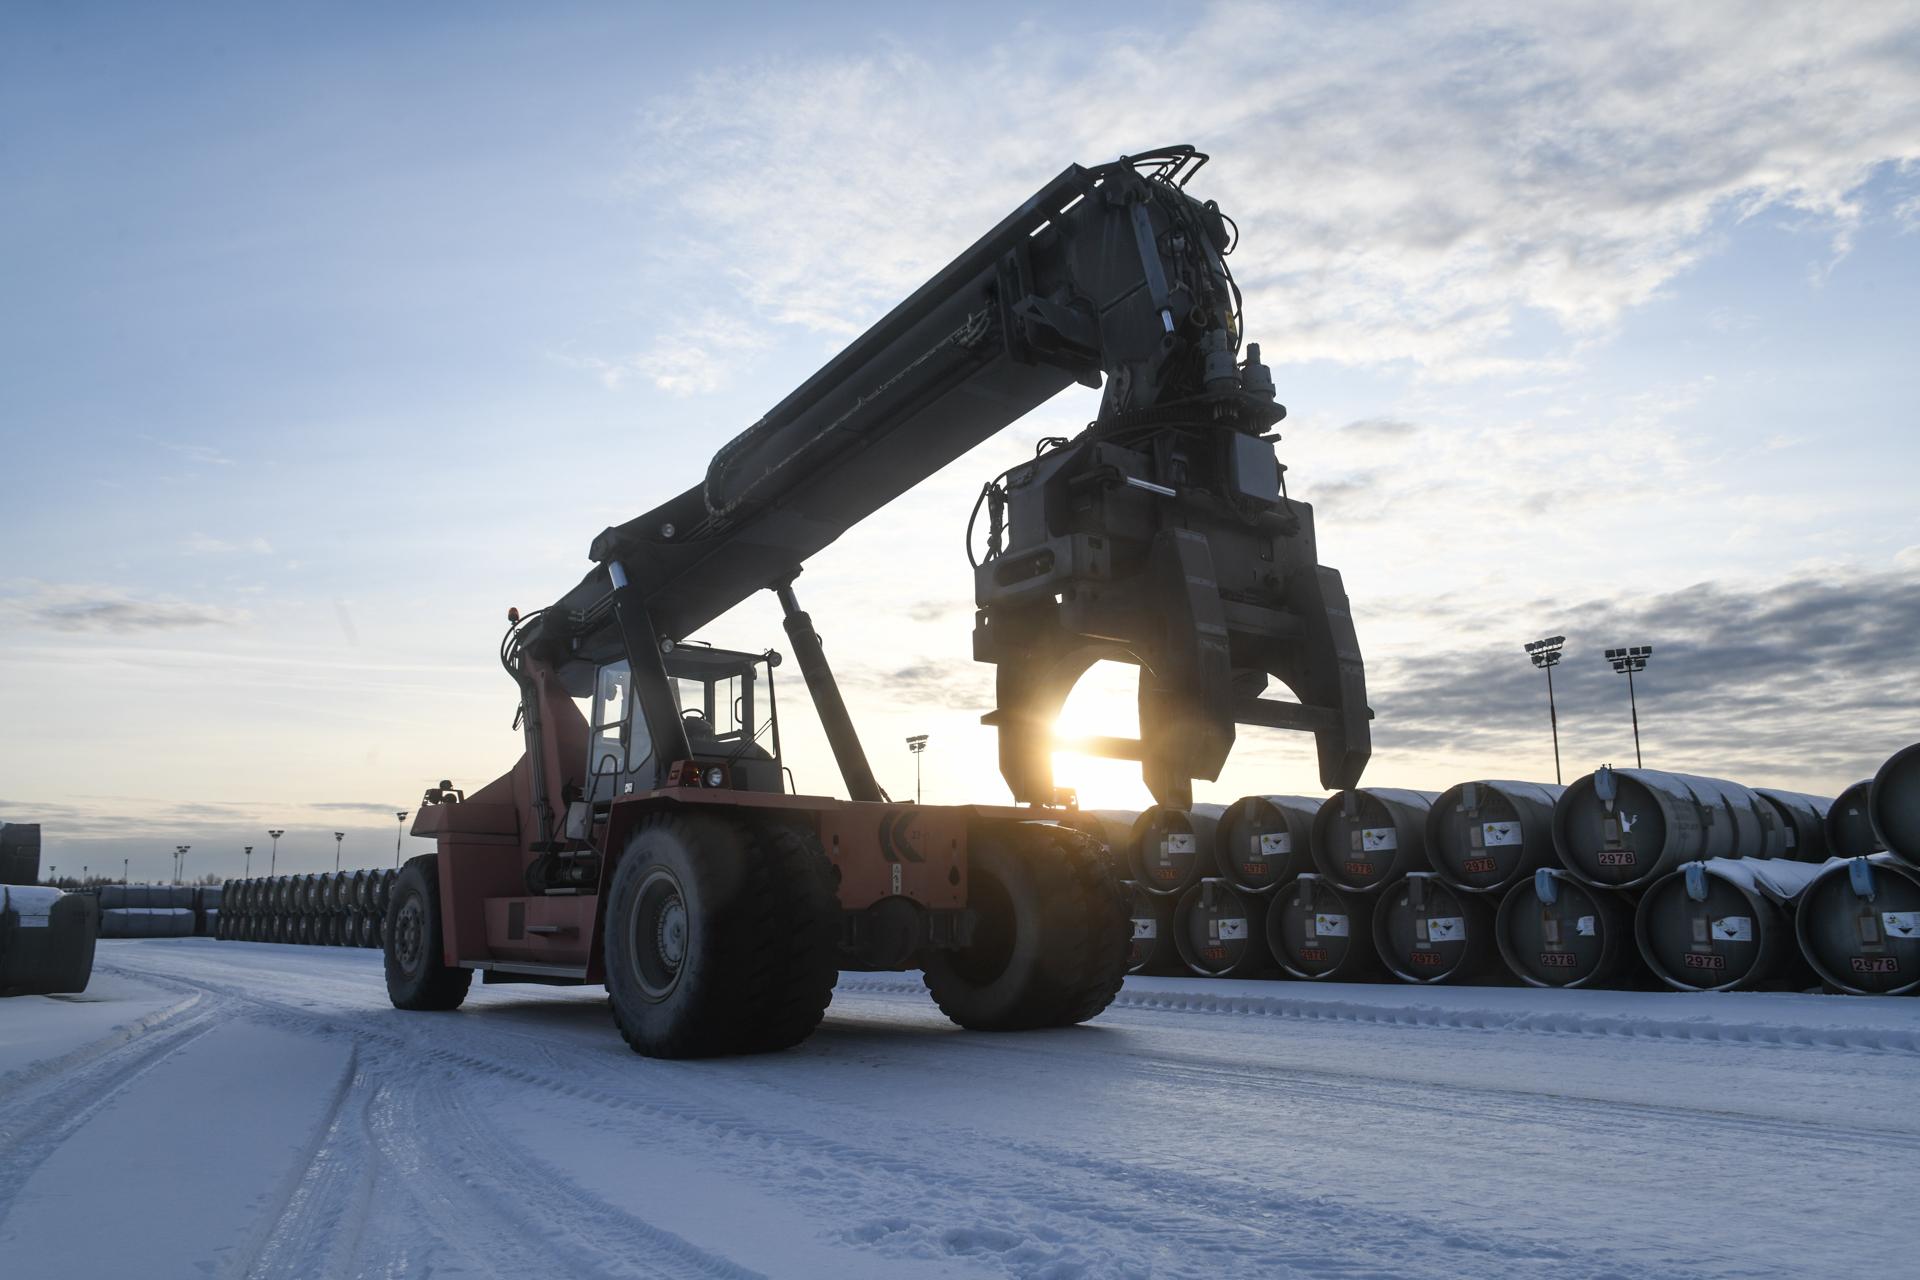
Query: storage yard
1196, 1129
249, 1103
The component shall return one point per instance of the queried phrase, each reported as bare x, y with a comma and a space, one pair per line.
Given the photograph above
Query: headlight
716, 776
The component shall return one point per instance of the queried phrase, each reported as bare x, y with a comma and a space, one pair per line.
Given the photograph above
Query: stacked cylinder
332, 909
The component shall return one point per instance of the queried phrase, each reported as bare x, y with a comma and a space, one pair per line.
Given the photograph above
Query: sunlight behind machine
1103, 704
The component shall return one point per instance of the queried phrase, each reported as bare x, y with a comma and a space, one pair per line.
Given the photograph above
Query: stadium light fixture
918, 745
1545, 655
1626, 662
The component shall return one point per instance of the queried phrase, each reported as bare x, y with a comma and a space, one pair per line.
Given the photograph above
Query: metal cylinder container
1858, 925
1220, 931
1173, 848
1485, 837
1894, 803
46, 940
1722, 925
1318, 933
1264, 841
1368, 837
1152, 950
1804, 822
1427, 931
1850, 832
147, 922
1555, 931
1624, 828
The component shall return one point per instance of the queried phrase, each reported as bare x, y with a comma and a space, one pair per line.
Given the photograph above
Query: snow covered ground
228, 1109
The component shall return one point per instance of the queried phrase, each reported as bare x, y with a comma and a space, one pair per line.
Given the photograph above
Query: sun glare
1102, 705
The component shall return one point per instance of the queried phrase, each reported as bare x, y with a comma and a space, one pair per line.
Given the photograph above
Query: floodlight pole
1553, 715
273, 863
1546, 655
1627, 661
1633, 704
917, 744
338, 836
401, 816
248, 873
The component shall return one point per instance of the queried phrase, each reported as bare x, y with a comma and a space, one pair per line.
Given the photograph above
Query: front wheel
1052, 933
721, 937
417, 978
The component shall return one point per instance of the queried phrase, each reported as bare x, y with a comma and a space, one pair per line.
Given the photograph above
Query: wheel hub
671, 933
660, 934
409, 935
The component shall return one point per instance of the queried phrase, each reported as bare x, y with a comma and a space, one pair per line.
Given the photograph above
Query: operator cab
726, 706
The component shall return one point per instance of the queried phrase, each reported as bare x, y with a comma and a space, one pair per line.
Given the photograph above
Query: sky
328, 334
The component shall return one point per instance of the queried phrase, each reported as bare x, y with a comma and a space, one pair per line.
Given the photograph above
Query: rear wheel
721, 937
417, 978
1051, 936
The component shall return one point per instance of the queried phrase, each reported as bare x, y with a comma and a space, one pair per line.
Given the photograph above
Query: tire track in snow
33, 1125
1759, 1034
468, 1186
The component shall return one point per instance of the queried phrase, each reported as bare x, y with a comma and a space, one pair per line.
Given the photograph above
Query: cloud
952, 684
202, 544
1384, 429
694, 359
1808, 676
201, 454
1409, 189
77, 608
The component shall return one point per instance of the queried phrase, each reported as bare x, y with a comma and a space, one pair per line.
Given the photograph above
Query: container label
1179, 842
1146, 929
1446, 929
1425, 958
1274, 843
1480, 866
1617, 858
1359, 870
1901, 924
1556, 960
1584, 926
1326, 926
1695, 960
1499, 833
1313, 955
1733, 929
1232, 930
1873, 964
1378, 839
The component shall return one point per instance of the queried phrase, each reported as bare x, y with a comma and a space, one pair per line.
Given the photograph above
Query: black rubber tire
1052, 934
420, 980
750, 911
